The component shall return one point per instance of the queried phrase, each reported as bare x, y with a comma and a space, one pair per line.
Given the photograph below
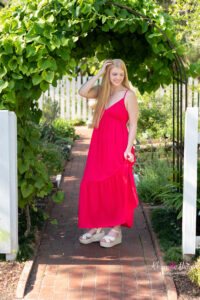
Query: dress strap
125, 93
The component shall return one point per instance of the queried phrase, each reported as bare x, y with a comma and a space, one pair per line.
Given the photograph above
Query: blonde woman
107, 196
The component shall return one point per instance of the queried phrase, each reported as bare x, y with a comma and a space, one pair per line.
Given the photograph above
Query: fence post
190, 183
8, 185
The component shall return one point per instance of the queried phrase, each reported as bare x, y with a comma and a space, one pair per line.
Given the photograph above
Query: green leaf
58, 197
86, 8
62, 53
24, 69
23, 166
12, 63
157, 64
30, 50
39, 183
50, 19
44, 86
36, 79
14, 24
54, 222
104, 18
17, 76
109, 12
8, 46
48, 76
44, 64
145, 26
27, 189
45, 215
105, 28
3, 71
3, 85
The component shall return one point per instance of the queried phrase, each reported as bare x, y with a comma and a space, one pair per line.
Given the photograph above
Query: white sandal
88, 237
111, 240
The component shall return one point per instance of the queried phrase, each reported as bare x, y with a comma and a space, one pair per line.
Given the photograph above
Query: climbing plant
42, 40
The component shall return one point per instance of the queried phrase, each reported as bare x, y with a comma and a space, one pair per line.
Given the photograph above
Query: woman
107, 191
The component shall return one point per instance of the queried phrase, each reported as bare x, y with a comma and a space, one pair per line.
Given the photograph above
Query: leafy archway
42, 40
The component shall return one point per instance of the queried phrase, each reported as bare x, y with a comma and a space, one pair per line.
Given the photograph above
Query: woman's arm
87, 90
132, 108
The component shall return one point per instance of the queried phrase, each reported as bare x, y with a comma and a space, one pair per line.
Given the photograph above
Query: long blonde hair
104, 90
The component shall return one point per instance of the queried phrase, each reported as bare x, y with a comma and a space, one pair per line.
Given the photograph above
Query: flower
172, 264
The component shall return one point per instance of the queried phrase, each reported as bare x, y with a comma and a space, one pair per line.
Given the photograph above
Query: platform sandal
111, 240
88, 237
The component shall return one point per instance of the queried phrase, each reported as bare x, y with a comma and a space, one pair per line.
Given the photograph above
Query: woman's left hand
129, 155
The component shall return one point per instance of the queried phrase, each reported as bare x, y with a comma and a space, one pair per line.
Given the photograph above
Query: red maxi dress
107, 195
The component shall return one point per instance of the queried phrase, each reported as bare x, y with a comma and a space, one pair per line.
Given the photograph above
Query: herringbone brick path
66, 270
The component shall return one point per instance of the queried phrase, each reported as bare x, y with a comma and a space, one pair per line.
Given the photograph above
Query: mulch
9, 276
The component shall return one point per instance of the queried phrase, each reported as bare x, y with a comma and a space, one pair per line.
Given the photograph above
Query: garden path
65, 269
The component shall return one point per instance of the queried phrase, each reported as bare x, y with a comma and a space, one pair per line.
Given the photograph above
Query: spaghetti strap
125, 93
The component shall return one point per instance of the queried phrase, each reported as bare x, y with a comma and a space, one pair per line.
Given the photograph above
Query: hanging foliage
42, 40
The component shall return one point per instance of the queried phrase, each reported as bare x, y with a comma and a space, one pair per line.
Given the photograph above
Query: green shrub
53, 158
173, 254
194, 272
155, 117
168, 228
25, 243
50, 110
170, 197
60, 133
77, 122
153, 177
63, 128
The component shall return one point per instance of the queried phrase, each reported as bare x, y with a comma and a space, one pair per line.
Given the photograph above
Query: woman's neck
115, 89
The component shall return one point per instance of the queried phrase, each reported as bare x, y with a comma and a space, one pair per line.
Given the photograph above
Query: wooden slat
51, 93
89, 110
78, 97
195, 92
40, 102
73, 103
56, 94
62, 99
67, 83
84, 101
190, 95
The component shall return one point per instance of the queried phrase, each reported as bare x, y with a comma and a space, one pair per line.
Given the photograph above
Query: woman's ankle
117, 226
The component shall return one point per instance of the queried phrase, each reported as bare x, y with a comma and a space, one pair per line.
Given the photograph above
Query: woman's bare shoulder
131, 94
130, 98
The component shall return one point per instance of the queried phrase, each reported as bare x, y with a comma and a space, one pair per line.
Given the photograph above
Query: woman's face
116, 76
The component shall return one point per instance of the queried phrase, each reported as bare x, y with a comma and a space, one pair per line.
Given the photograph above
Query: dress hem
122, 223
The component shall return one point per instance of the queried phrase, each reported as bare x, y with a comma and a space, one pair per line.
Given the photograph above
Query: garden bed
9, 276
186, 289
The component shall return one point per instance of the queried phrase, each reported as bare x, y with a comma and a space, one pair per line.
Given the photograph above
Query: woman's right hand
105, 64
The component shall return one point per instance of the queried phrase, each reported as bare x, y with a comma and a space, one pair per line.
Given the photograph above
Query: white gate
8, 185
189, 239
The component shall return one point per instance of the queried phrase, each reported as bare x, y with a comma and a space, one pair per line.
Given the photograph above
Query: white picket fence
72, 105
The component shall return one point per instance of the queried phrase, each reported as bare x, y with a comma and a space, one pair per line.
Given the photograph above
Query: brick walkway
65, 269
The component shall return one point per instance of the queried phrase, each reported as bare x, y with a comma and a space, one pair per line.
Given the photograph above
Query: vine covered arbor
42, 40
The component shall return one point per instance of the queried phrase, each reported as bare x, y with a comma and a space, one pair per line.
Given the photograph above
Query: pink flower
172, 264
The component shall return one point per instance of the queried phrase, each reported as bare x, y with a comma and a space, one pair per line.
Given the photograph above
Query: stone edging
168, 280
21, 286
